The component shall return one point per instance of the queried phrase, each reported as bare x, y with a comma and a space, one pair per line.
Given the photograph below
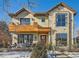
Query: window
61, 7
43, 38
60, 19
61, 39
25, 21
42, 19
25, 38
20, 38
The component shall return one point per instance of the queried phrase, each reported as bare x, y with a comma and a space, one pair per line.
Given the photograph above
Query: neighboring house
56, 26
76, 41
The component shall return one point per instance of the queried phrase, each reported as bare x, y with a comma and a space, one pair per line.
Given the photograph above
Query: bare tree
6, 5
5, 38
28, 4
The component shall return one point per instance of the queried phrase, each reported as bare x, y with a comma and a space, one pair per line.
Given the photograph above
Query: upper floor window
42, 19
25, 21
61, 19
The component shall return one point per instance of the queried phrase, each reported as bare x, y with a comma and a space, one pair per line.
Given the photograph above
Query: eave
19, 11
63, 4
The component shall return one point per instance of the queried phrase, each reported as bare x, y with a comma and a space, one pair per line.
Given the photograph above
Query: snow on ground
74, 54
15, 54
26, 54
70, 54
65, 54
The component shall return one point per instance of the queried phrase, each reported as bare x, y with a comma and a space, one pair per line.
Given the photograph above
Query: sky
36, 6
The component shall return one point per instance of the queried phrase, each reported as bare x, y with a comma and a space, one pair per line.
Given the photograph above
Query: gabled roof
64, 5
19, 11
46, 13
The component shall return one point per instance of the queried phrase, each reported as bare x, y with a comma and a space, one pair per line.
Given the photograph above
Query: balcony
35, 28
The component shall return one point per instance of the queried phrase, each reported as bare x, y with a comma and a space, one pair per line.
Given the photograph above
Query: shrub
50, 47
39, 51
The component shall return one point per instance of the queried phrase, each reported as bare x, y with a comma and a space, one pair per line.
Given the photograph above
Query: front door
43, 38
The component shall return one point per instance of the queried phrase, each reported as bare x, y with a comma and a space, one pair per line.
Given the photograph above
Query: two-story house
56, 26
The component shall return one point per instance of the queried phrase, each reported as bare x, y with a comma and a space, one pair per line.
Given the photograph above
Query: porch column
53, 36
35, 38
49, 37
14, 38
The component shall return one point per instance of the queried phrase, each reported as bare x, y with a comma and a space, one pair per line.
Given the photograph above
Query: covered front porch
27, 35
30, 39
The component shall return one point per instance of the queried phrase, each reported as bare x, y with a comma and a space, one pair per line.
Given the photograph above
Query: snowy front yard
15, 54
74, 54
65, 54
26, 54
